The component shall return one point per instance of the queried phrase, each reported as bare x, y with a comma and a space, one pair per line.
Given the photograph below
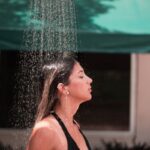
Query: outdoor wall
143, 98
141, 119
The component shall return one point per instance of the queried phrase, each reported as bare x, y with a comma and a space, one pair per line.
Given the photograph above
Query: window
8, 66
109, 108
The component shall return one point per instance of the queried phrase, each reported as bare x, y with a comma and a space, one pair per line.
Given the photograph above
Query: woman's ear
62, 88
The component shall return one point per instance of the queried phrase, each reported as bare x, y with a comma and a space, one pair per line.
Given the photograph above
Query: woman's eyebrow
81, 71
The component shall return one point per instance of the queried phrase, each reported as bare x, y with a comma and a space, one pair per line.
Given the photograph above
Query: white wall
143, 98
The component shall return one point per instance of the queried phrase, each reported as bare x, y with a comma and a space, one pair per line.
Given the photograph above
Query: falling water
52, 27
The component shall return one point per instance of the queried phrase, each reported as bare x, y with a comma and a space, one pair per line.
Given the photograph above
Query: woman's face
79, 86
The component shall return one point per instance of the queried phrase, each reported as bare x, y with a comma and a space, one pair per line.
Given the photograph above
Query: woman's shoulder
43, 132
47, 124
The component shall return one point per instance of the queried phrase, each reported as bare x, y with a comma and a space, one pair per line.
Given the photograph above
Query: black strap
86, 141
71, 143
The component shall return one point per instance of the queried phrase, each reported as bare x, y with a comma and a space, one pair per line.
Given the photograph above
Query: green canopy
120, 26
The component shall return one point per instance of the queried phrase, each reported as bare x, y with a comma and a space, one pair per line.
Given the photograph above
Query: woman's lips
90, 90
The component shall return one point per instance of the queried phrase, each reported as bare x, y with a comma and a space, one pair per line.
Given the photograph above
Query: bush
8, 147
122, 146
5, 147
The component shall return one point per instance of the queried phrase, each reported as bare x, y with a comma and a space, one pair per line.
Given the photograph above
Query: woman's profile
65, 87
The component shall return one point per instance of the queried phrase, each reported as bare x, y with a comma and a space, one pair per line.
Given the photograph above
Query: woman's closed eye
81, 76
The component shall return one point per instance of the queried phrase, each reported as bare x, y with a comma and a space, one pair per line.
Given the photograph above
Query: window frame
132, 125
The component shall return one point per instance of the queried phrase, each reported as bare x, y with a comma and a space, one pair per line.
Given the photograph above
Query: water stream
52, 27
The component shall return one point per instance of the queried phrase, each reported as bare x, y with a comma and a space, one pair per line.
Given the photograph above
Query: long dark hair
52, 74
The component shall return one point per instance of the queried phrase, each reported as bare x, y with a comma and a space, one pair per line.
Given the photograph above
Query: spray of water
52, 28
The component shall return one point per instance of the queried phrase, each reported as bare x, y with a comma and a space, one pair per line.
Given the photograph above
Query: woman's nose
89, 80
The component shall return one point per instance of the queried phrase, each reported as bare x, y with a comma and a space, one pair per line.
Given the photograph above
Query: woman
65, 87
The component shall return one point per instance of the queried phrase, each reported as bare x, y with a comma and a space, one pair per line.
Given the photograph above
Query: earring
67, 92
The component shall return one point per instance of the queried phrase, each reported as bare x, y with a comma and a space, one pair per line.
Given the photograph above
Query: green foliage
87, 10
17, 13
13, 13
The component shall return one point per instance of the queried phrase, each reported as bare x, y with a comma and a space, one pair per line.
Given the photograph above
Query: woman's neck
66, 110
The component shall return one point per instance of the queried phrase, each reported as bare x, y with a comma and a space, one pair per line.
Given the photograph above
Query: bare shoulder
48, 123
43, 135
45, 126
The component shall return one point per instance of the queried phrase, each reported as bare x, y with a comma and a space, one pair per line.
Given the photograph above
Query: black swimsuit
71, 143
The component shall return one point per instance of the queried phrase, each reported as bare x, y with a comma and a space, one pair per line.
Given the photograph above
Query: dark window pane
8, 66
109, 107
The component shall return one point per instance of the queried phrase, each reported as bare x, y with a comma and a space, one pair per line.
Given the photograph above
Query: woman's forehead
77, 68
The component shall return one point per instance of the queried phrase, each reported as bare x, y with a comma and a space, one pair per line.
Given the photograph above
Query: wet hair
52, 74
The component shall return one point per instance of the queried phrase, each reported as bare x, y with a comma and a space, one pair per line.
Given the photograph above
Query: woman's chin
88, 99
